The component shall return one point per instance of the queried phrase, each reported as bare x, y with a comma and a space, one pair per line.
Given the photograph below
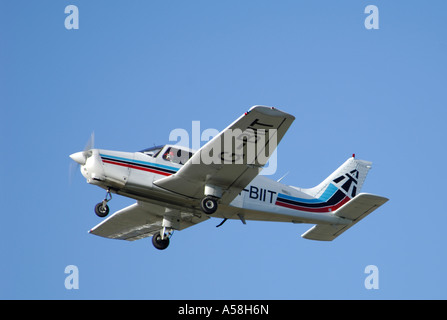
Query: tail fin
348, 178
345, 182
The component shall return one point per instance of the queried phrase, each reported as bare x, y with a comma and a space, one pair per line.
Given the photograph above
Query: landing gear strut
101, 208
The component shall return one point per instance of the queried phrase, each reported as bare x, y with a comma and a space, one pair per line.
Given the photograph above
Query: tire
208, 205
101, 211
158, 243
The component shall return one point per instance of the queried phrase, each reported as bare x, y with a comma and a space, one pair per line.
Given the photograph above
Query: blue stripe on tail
329, 192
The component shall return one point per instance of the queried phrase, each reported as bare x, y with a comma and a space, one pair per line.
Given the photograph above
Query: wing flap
355, 210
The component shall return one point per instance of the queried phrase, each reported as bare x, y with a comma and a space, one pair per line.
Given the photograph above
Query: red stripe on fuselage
136, 167
325, 209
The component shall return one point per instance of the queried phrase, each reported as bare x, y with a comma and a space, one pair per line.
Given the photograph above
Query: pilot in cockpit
169, 155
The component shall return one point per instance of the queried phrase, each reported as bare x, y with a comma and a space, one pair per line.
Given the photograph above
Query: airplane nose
79, 157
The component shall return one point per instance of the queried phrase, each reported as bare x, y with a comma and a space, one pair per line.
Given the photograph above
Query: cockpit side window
175, 155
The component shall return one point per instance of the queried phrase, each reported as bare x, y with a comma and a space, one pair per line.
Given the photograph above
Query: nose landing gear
101, 208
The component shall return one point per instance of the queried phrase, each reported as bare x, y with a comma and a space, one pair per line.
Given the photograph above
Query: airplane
176, 187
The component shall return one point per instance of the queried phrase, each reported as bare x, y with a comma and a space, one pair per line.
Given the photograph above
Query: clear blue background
135, 70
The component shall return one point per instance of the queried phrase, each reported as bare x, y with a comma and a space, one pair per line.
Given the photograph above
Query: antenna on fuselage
279, 180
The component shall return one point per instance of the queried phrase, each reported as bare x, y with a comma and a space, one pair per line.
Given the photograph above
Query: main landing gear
160, 243
160, 240
209, 204
212, 194
101, 208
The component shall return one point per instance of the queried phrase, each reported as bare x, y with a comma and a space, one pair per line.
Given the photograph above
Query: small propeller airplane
176, 187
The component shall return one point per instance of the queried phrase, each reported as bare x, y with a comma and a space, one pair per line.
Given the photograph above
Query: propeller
81, 157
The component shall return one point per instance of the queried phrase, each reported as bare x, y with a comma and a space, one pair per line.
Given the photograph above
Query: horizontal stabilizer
355, 210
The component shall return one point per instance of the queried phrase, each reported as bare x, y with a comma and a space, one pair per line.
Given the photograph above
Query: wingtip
271, 111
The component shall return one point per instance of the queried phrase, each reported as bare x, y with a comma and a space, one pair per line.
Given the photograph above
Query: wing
142, 220
355, 210
233, 158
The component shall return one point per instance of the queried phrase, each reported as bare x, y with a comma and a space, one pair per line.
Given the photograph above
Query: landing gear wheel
208, 205
101, 210
159, 243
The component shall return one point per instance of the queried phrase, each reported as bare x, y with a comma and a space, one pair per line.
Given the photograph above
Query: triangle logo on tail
349, 181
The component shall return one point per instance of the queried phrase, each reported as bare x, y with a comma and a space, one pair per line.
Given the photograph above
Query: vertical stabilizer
348, 178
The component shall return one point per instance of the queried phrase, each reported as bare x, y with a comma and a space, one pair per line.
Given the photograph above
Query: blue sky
134, 71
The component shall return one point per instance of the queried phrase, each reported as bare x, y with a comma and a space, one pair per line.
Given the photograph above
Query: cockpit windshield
153, 151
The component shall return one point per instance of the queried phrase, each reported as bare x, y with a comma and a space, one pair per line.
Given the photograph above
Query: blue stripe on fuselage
329, 192
140, 162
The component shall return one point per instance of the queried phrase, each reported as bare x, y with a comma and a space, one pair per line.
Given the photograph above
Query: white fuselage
133, 174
